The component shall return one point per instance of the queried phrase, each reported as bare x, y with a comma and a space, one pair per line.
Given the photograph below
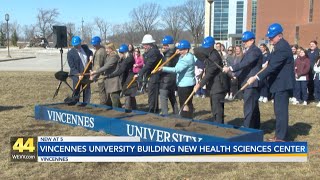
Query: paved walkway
33, 59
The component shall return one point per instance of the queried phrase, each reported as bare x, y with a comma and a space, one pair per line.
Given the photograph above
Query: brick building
300, 19
229, 18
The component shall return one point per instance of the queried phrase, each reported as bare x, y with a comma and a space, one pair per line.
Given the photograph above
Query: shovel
74, 99
156, 69
181, 108
62, 75
247, 84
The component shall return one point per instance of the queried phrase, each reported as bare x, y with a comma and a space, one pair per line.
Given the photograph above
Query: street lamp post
7, 19
210, 2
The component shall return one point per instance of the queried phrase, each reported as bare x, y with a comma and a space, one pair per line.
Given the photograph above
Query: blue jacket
280, 68
185, 71
249, 65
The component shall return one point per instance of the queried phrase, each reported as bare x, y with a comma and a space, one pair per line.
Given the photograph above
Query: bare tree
45, 20
173, 21
15, 27
103, 27
87, 33
29, 32
146, 16
192, 13
132, 33
71, 29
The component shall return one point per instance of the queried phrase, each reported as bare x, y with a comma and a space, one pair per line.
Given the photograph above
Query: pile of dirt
152, 119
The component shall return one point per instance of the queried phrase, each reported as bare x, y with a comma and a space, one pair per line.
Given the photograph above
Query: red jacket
302, 67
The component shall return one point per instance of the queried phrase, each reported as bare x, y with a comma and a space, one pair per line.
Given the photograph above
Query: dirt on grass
21, 91
152, 119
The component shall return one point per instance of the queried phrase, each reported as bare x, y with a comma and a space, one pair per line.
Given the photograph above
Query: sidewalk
33, 59
14, 58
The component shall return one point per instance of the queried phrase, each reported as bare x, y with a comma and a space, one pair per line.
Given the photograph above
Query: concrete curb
14, 59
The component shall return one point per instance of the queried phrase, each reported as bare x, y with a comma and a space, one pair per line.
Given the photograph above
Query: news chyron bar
131, 149
24, 149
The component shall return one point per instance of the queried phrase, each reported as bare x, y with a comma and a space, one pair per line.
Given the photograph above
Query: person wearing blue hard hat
109, 89
125, 72
250, 65
185, 77
208, 42
95, 41
100, 59
79, 57
281, 79
215, 80
168, 80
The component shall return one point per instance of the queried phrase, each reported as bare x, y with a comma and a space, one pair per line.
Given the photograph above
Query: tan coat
99, 59
110, 65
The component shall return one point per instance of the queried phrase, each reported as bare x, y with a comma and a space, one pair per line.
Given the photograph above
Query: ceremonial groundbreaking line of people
252, 73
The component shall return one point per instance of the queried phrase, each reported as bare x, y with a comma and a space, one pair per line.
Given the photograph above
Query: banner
129, 149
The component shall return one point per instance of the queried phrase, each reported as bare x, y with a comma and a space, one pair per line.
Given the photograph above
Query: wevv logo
23, 149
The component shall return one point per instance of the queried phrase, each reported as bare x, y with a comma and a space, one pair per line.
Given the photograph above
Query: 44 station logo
24, 149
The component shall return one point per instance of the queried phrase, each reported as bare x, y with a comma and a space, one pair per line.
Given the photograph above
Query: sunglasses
230, 50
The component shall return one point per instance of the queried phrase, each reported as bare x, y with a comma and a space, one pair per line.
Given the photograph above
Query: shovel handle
247, 84
156, 69
82, 74
132, 81
228, 73
186, 102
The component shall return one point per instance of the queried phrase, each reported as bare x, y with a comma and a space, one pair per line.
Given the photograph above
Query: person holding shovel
78, 58
281, 79
99, 59
152, 58
250, 65
185, 77
216, 81
168, 80
112, 86
126, 74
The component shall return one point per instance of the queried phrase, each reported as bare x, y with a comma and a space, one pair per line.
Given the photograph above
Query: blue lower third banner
75, 150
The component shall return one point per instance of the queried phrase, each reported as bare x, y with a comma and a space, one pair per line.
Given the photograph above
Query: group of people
307, 74
174, 68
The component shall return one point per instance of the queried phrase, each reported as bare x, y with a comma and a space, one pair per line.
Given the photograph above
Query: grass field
21, 91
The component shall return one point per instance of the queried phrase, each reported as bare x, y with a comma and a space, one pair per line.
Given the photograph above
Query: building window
254, 16
311, 11
239, 18
220, 22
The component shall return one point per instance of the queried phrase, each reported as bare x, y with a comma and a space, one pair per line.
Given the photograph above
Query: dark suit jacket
215, 79
75, 63
151, 59
250, 65
168, 80
280, 68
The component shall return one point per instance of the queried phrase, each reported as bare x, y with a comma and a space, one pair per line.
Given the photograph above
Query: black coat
280, 68
125, 71
249, 65
216, 81
168, 80
151, 59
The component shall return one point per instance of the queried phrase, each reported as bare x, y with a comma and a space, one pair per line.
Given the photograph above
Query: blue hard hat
246, 36
184, 44
75, 41
95, 40
273, 30
208, 42
123, 48
167, 40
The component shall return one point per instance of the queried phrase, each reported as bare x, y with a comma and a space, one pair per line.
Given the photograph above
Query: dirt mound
152, 119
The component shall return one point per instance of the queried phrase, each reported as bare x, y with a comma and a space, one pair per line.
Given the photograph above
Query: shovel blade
71, 101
